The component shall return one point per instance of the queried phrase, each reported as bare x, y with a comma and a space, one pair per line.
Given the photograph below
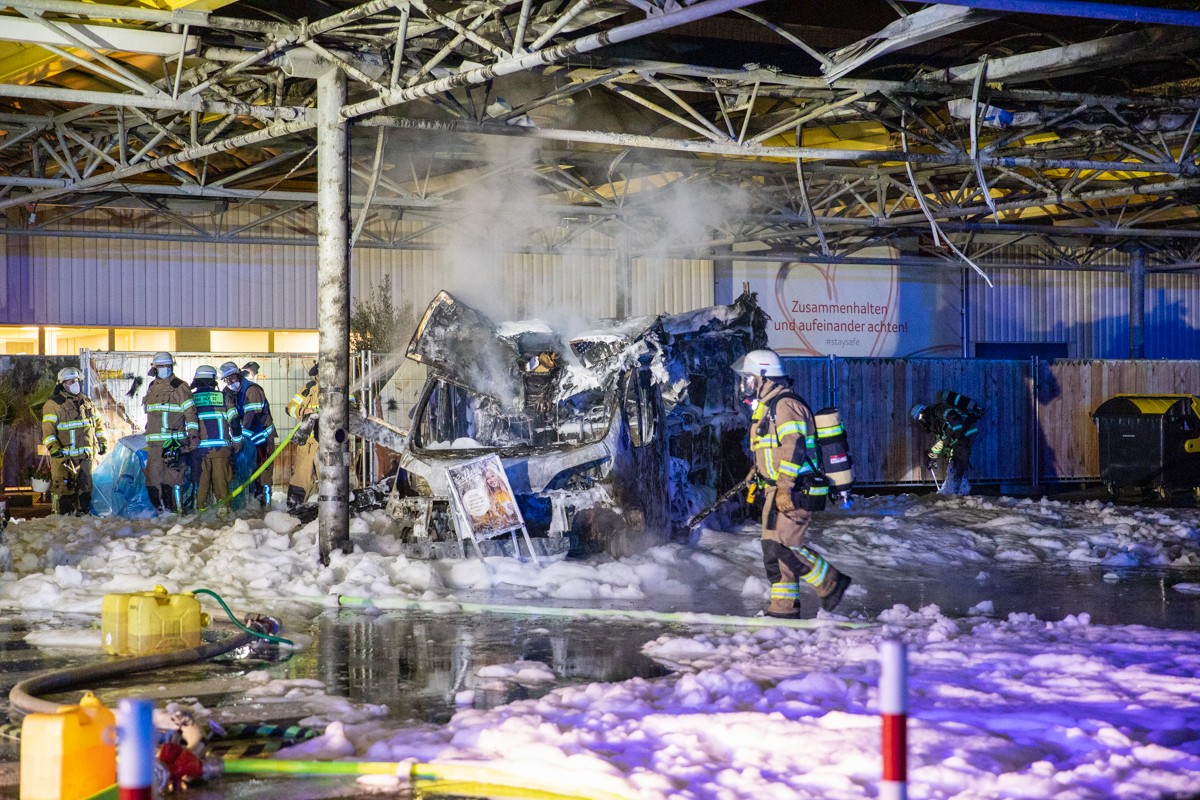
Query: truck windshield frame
450, 412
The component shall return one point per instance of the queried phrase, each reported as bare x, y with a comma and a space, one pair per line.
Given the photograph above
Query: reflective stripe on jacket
219, 426
788, 448
950, 425
254, 412
70, 424
306, 401
170, 412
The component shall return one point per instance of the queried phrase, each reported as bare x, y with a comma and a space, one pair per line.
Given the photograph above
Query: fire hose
24, 696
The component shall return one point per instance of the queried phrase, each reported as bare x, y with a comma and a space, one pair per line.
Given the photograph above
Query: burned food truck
610, 439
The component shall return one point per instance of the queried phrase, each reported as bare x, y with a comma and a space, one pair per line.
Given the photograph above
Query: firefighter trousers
304, 468
215, 473
788, 561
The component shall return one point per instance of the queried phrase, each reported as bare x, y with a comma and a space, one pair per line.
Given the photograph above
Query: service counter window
69, 341
19, 341
239, 342
148, 340
296, 341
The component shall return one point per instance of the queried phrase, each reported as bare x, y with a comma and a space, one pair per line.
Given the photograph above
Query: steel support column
1137, 303
333, 315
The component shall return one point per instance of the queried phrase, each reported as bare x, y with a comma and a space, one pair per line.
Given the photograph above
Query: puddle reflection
418, 664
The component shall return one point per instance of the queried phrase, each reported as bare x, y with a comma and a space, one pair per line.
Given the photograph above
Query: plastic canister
70, 754
142, 623
835, 449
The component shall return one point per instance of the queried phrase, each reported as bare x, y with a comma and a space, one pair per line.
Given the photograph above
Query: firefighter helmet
229, 370
205, 372
314, 369
69, 374
251, 368
162, 359
916, 411
760, 363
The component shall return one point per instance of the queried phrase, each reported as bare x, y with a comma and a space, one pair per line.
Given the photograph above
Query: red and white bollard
893, 708
135, 749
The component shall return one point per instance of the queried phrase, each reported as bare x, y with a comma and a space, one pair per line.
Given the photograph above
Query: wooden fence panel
1069, 391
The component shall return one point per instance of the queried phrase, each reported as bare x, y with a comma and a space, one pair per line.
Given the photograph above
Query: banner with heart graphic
855, 310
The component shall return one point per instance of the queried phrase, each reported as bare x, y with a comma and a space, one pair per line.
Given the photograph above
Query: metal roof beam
160, 101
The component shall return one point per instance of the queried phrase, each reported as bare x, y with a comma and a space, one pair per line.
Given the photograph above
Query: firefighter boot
84, 507
830, 601
155, 498
67, 504
785, 601
295, 497
170, 498
828, 583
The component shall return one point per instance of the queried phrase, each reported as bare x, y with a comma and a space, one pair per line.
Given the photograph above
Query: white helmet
916, 411
204, 371
229, 369
69, 374
162, 359
761, 363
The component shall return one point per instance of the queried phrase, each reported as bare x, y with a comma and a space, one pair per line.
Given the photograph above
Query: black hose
23, 696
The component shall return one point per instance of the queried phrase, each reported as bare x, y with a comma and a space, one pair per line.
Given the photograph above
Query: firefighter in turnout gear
72, 433
786, 462
954, 420
304, 406
172, 431
254, 416
220, 436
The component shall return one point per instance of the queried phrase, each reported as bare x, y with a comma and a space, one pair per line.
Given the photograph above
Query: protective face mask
235, 385
164, 372
748, 389
73, 387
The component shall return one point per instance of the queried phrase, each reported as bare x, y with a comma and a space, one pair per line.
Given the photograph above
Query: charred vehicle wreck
610, 439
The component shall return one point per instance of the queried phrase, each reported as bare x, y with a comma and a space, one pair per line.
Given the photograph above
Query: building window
239, 342
296, 341
19, 341
144, 339
69, 341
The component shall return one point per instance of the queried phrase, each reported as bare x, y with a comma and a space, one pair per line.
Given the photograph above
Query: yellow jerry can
69, 755
143, 623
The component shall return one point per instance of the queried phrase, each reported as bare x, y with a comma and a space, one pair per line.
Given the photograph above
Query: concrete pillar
1137, 303
333, 316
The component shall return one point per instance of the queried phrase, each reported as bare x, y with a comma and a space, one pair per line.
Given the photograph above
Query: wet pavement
424, 666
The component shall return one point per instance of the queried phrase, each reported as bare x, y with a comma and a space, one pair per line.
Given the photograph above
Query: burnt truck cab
610, 438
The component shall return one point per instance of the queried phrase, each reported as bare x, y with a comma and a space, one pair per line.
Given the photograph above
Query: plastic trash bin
1149, 442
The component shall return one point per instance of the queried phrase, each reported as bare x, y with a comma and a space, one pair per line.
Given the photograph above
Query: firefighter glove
101, 447
783, 501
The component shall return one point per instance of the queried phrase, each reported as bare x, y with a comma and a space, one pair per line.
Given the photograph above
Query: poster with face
486, 497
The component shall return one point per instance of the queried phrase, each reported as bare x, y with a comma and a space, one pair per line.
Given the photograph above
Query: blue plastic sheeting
118, 483
243, 467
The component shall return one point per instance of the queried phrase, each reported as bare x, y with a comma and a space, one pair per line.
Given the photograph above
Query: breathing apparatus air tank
835, 449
